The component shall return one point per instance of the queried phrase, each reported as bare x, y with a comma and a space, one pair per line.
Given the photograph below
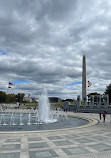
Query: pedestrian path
91, 141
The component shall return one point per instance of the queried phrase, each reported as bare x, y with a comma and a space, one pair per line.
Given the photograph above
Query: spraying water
44, 108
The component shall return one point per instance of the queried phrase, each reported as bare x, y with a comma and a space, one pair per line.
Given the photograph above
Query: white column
91, 101
106, 100
98, 100
84, 91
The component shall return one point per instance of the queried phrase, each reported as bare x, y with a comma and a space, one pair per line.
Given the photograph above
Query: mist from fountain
29, 119
21, 123
44, 109
4, 120
12, 120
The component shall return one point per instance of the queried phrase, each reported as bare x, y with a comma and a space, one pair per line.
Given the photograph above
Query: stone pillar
66, 105
92, 101
78, 101
84, 92
106, 100
98, 100
85, 102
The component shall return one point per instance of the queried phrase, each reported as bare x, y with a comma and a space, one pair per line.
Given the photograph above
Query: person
100, 115
56, 110
104, 116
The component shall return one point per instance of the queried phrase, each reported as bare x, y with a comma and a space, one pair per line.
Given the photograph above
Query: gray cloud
45, 40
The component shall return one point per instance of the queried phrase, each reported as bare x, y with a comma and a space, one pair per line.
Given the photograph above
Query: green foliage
19, 97
94, 93
31, 104
108, 91
3, 97
60, 104
73, 103
10, 98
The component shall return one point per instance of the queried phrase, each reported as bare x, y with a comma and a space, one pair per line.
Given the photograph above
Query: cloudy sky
42, 42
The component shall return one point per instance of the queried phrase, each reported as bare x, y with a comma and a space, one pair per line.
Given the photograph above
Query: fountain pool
42, 119
29, 122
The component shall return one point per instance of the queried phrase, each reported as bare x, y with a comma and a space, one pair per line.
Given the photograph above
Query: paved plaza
89, 141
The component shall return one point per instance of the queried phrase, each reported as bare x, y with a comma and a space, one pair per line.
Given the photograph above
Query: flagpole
88, 94
89, 85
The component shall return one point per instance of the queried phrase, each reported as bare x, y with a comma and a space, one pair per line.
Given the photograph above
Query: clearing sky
43, 42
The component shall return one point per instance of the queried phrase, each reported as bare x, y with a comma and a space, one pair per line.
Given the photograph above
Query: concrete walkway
91, 141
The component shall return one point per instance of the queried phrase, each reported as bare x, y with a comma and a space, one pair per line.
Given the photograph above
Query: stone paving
91, 141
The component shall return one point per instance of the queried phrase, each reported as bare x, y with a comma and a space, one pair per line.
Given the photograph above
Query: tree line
11, 98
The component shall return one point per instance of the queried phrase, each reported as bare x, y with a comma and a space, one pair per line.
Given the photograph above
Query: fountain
36, 119
21, 123
42, 119
4, 120
12, 120
29, 119
44, 109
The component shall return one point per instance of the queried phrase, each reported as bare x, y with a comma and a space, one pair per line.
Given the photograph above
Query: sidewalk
83, 142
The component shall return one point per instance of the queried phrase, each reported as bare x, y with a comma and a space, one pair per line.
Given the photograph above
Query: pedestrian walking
104, 117
100, 115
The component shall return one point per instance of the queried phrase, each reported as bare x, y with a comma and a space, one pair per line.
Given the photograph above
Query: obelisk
84, 93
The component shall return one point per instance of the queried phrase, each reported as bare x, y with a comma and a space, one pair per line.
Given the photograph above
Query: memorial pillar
98, 100
84, 91
106, 100
78, 101
85, 102
92, 101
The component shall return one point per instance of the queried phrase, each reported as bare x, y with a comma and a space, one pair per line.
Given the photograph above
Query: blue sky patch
73, 83
20, 81
2, 52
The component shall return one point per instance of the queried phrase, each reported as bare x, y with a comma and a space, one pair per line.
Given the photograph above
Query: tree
108, 91
3, 97
10, 98
19, 97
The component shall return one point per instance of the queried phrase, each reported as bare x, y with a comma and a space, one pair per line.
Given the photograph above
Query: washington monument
84, 94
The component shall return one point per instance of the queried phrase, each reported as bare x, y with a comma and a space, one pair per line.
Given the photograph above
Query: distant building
69, 100
54, 100
30, 99
51, 99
